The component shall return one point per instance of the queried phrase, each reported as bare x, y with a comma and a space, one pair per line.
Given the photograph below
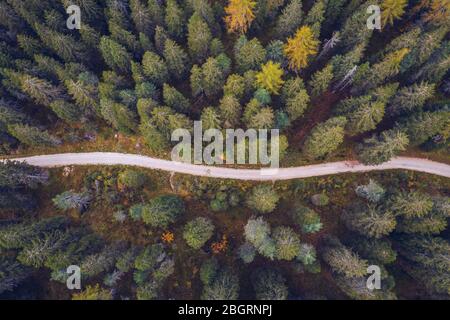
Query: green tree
175, 99
176, 59
306, 218
426, 260
315, 16
325, 138
344, 261
297, 104
269, 285
372, 191
224, 286
321, 80
115, 55
370, 221
210, 118
287, 243
132, 179
199, 38
248, 54
174, 18
32, 136
307, 254
230, 111
290, 19
72, 200
412, 204
257, 232
376, 250
235, 86
162, 210
198, 231
155, 68
262, 198
382, 148
19, 174
425, 125
410, 99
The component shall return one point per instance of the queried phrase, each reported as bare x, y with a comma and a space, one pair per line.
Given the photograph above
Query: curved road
108, 158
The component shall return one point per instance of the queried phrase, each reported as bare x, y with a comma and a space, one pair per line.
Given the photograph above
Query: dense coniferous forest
137, 70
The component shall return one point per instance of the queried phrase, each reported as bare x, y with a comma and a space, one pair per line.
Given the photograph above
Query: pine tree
42, 91
423, 126
176, 59
66, 111
299, 48
410, 99
155, 68
287, 243
235, 86
270, 77
72, 200
141, 16
199, 38
156, 12
18, 174
230, 111
410, 205
297, 104
174, 18
210, 118
381, 148
115, 55
325, 138
371, 191
290, 19
32, 136
239, 15
198, 231
269, 285
249, 54
426, 261
344, 261
370, 221
263, 199
321, 80
315, 17
175, 99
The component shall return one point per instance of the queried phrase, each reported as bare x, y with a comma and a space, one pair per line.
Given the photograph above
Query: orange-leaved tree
239, 15
300, 47
269, 77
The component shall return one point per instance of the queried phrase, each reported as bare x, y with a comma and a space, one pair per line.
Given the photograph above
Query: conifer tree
270, 77
300, 47
290, 19
382, 148
239, 15
174, 18
392, 10
175, 99
199, 37
155, 68
176, 59
325, 138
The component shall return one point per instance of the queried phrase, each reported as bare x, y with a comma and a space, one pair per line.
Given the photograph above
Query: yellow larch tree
392, 10
438, 11
239, 15
300, 47
269, 77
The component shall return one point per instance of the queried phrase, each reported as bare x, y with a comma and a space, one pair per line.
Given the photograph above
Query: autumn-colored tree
300, 47
392, 10
239, 15
269, 77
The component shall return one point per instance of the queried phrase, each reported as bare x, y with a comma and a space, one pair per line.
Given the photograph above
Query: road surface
108, 158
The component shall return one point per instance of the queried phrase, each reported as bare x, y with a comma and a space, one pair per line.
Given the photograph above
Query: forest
136, 70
